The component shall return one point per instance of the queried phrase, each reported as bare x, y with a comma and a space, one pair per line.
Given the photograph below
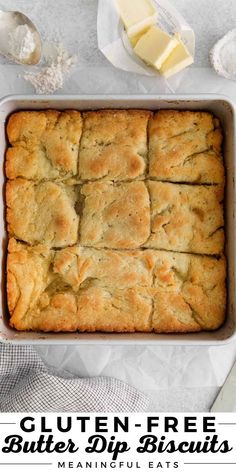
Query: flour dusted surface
51, 77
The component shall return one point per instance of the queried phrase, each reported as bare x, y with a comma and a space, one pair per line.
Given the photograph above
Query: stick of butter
137, 15
136, 38
155, 46
178, 59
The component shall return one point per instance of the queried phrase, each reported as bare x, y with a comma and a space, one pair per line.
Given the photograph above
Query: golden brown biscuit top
92, 289
100, 203
43, 212
114, 144
187, 218
45, 144
112, 268
115, 215
185, 147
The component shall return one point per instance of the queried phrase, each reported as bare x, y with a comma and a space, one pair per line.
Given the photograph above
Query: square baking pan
222, 107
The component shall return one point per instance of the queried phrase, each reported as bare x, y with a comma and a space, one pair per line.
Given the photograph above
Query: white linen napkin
26, 384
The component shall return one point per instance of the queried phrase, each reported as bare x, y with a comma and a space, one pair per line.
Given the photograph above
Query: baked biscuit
68, 290
45, 144
42, 213
94, 308
28, 275
121, 252
115, 215
63, 290
105, 309
120, 269
186, 218
190, 292
114, 144
185, 146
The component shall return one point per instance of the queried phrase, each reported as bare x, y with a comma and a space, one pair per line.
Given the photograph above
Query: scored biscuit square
186, 218
42, 212
68, 290
190, 292
185, 146
115, 215
114, 145
44, 144
114, 310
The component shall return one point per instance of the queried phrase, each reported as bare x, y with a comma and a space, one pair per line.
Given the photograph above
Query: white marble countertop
179, 378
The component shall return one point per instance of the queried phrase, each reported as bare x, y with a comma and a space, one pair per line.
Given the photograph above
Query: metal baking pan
220, 106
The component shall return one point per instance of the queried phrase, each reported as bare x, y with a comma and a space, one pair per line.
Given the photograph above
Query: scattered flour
50, 77
21, 43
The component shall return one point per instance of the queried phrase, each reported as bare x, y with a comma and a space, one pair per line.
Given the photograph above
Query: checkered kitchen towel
26, 384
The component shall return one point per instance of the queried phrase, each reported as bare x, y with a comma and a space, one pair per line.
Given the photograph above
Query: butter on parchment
155, 46
178, 59
137, 16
